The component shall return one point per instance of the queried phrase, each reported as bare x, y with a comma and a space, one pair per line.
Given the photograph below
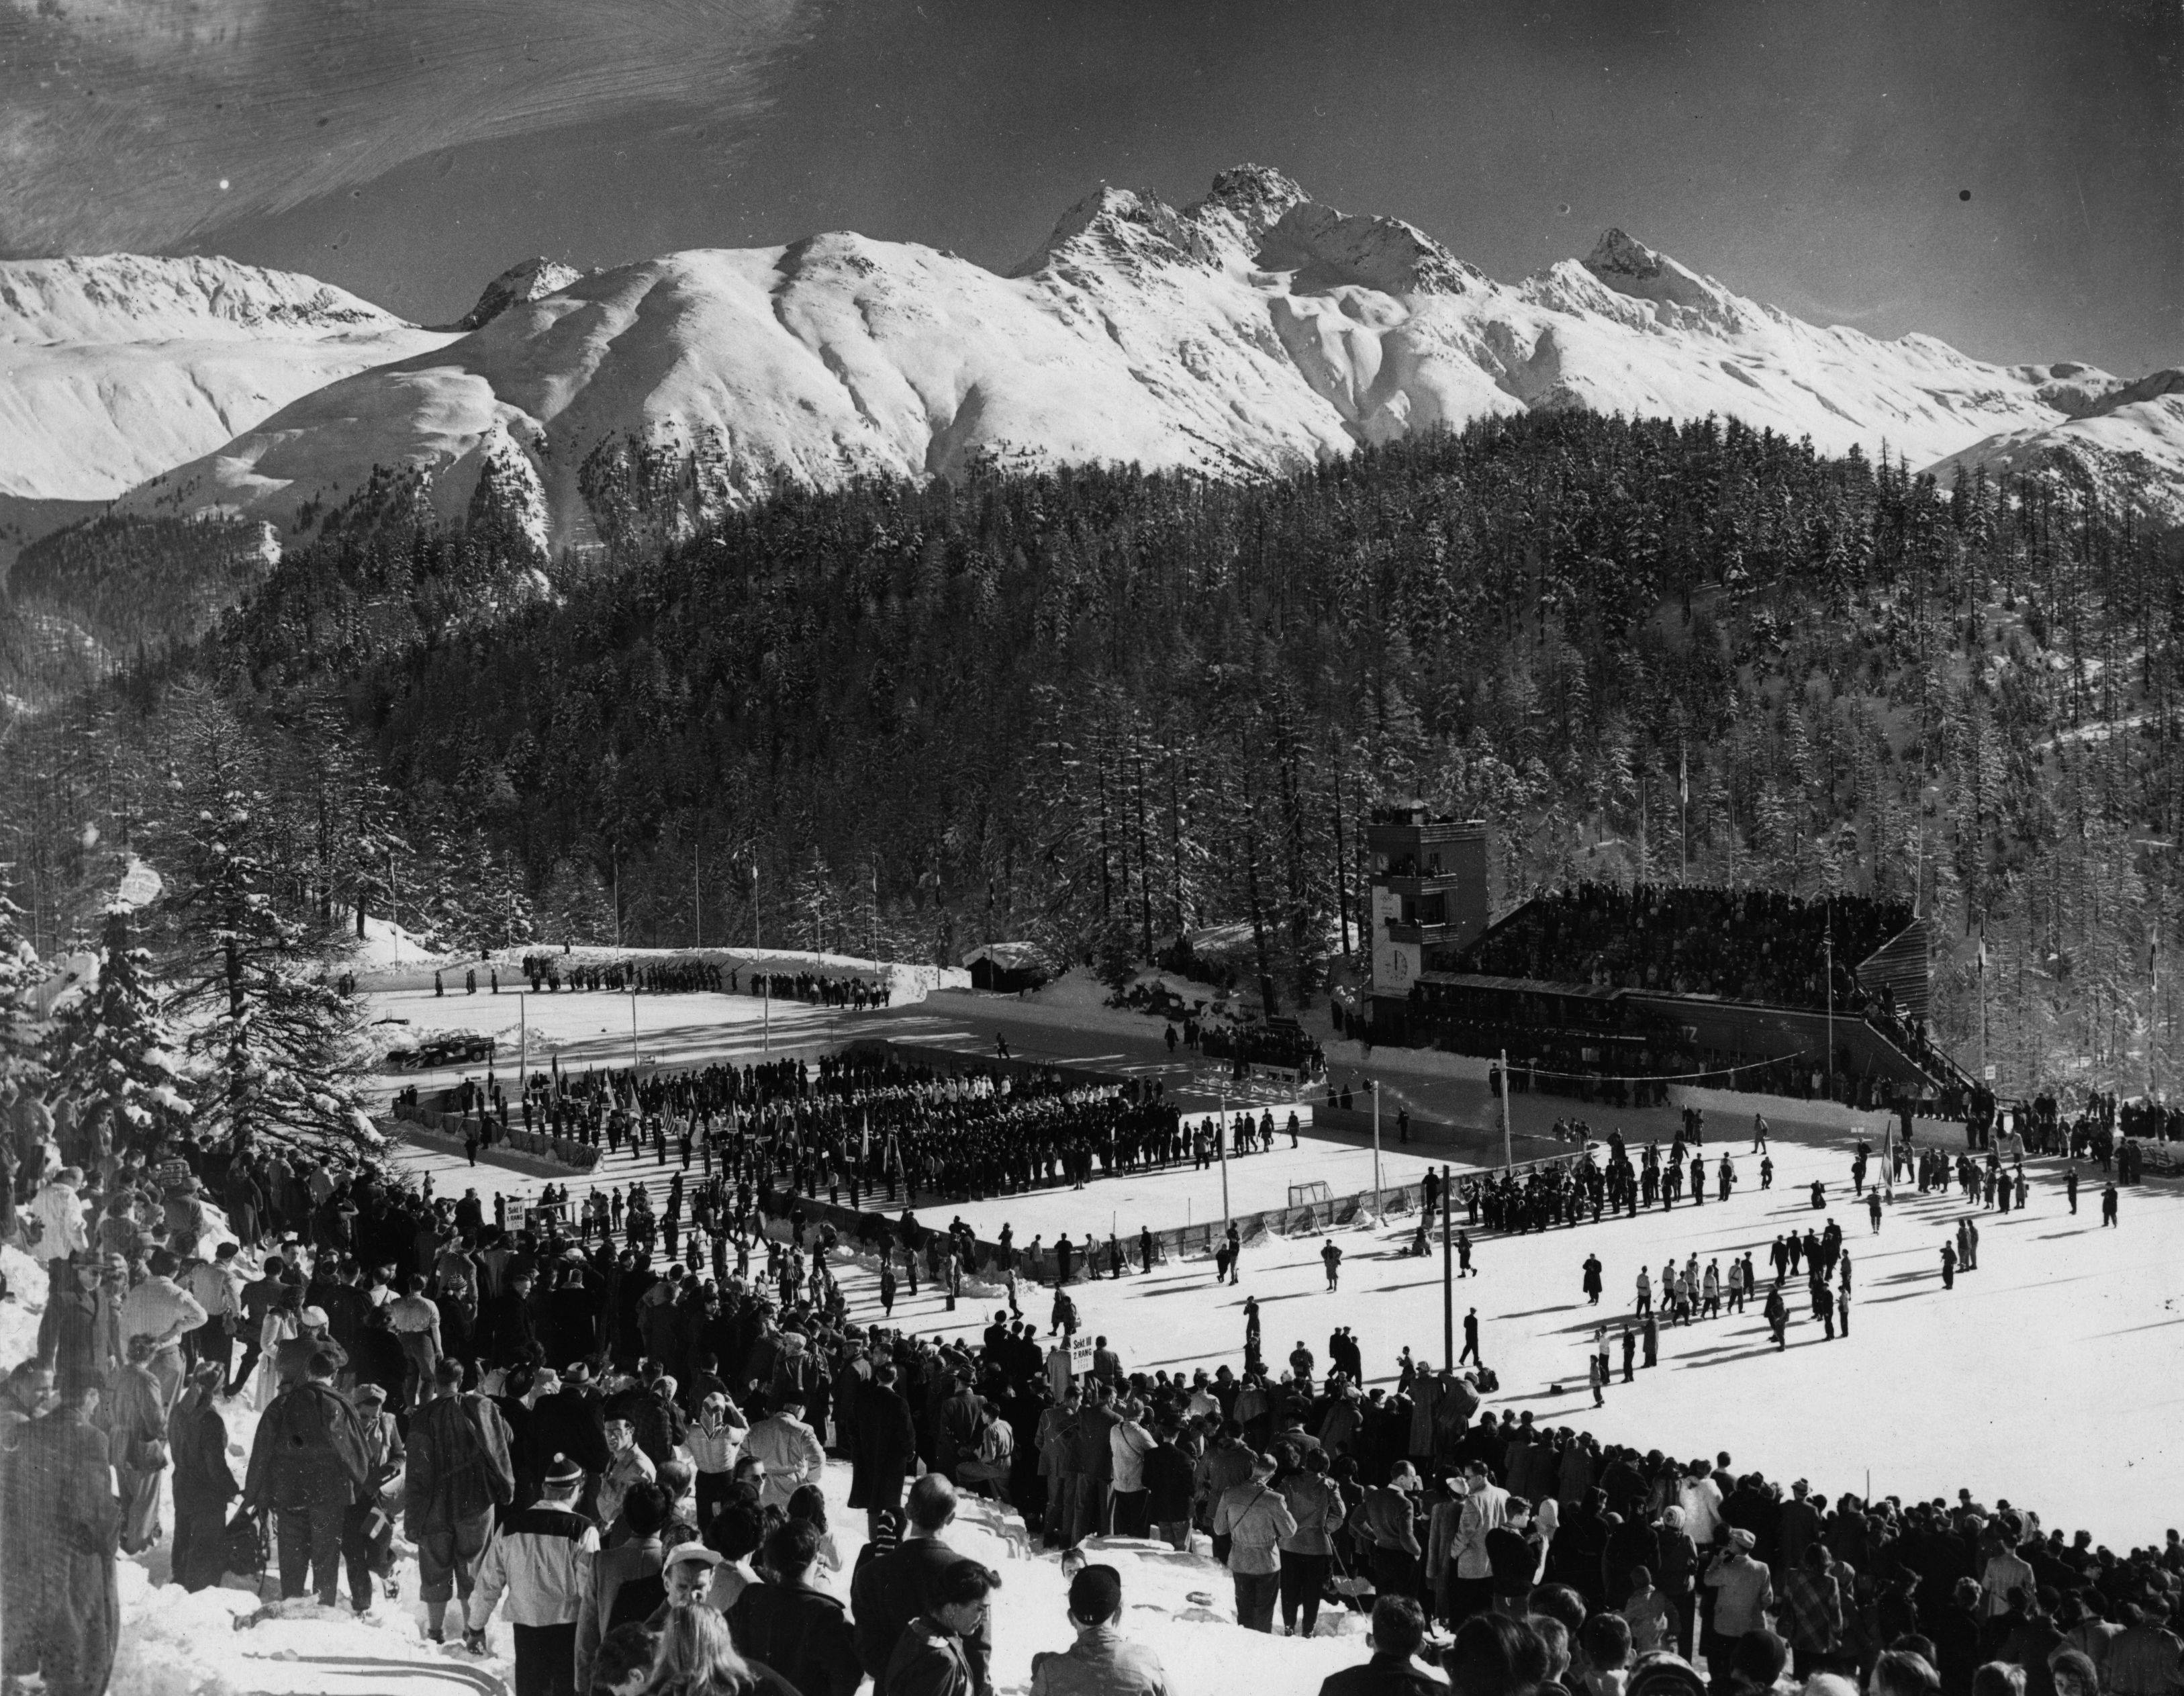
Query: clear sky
2008, 174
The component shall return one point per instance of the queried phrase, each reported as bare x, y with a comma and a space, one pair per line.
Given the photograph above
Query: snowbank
911, 982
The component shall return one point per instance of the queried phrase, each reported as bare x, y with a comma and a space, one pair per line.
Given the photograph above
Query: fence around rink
1178, 1242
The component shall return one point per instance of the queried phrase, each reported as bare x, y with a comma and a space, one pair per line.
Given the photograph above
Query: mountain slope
2126, 446
1252, 333
115, 368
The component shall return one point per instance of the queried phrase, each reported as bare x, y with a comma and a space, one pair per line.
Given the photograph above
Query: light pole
1448, 1276
1376, 1146
1221, 1142
1828, 1065
1508, 1161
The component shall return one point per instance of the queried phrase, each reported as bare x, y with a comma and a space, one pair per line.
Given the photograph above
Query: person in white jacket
716, 1437
791, 1452
59, 1209
538, 1564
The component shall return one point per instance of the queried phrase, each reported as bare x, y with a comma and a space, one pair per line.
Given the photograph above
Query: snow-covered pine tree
113, 1052
275, 1053
22, 1033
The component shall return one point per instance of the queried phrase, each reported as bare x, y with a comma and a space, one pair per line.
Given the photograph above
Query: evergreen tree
22, 1032
113, 1053
276, 1053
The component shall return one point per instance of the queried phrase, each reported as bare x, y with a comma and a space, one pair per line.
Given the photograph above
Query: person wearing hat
77, 1333
204, 1482
136, 1430
294, 1354
685, 1574
368, 1527
537, 1563
1254, 1519
1102, 1661
1744, 1592
58, 1589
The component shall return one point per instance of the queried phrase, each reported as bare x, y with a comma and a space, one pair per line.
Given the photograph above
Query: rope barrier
1659, 1077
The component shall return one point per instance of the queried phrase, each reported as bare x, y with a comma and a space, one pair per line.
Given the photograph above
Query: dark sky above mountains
2008, 174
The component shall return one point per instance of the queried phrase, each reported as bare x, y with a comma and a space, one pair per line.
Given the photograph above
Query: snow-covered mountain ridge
1254, 332
115, 368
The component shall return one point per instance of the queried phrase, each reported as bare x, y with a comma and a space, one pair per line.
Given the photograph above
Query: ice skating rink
2052, 1375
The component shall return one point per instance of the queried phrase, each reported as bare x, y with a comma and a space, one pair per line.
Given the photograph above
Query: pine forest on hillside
1092, 708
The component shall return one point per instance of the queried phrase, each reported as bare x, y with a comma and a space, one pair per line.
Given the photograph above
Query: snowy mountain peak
1329, 250
1244, 203
1631, 268
2072, 389
133, 298
1122, 225
518, 286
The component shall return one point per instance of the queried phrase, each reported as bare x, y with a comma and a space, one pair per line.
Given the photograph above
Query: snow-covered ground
597, 1027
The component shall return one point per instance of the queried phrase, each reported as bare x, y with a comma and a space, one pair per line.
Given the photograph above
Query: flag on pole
1684, 773
864, 1142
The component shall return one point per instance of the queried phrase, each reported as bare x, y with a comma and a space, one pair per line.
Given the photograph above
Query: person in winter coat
204, 1483
57, 1216
1675, 1574
292, 1355
1743, 1593
1485, 1507
77, 1331
137, 1436
1254, 1519
306, 1466
505, 1331
1308, 1552
628, 1466
650, 1407
791, 1452
883, 1440
792, 1624
931, 1657
538, 1563
60, 1613
888, 1591
1102, 1661
458, 1471
368, 1527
